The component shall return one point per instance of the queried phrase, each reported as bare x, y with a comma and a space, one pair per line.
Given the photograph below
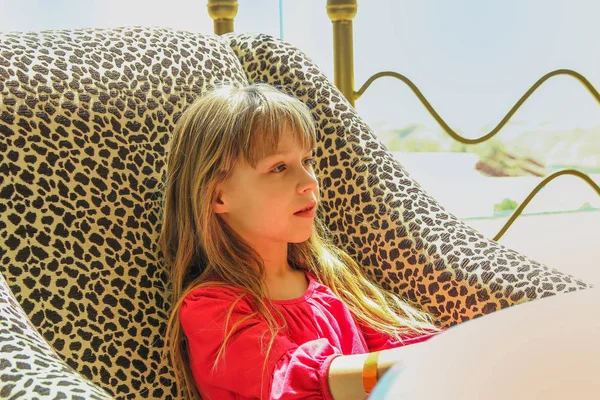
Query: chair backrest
85, 116
84, 119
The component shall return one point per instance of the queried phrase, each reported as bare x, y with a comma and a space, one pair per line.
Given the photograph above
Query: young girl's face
260, 203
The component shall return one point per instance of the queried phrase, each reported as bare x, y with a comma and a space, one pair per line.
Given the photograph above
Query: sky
472, 59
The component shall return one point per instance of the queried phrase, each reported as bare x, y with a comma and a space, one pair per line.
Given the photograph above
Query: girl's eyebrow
283, 154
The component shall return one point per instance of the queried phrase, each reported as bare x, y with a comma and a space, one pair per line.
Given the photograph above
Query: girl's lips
312, 205
306, 214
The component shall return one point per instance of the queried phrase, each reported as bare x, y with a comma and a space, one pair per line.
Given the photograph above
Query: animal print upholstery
29, 366
84, 119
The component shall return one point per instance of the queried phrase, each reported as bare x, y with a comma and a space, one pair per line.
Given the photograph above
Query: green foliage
505, 205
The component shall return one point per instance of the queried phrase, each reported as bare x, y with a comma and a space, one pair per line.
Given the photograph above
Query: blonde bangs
269, 122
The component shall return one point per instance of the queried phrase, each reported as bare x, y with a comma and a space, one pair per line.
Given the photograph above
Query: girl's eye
311, 161
276, 168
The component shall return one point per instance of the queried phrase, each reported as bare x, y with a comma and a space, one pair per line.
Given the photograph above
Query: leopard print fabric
43, 375
84, 119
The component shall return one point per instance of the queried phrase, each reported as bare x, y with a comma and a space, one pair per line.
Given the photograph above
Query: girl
264, 306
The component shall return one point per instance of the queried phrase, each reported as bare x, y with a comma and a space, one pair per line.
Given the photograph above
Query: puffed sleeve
302, 373
292, 371
381, 341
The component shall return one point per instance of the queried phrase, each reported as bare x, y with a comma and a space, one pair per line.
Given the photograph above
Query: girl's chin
300, 239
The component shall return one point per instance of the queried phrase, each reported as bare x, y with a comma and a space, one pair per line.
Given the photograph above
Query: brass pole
341, 13
222, 12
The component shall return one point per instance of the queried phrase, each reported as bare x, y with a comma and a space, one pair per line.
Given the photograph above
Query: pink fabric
320, 328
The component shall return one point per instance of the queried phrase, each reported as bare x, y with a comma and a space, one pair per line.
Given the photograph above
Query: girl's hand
345, 372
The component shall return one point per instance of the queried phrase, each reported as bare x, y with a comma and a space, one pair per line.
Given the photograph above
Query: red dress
320, 328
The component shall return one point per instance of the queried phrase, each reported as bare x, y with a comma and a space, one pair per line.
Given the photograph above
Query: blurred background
472, 60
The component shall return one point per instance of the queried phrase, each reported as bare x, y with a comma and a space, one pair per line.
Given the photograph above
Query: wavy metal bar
449, 130
520, 209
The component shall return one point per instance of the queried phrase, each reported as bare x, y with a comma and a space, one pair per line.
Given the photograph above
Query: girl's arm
345, 372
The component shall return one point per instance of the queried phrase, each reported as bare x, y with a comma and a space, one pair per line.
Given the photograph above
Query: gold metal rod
341, 13
222, 26
531, 195
223, 13
494, 131
343, 59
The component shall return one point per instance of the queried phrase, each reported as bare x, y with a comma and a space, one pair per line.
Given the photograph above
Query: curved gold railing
539, 187
507, 117
341, 13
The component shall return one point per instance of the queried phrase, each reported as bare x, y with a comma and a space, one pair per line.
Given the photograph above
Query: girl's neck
288, 285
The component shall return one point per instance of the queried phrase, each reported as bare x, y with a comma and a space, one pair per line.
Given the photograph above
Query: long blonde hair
213, 133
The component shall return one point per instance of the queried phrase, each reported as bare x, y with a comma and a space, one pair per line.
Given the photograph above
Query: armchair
84, 119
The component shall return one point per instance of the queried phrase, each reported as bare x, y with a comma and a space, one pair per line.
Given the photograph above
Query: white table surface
547, 349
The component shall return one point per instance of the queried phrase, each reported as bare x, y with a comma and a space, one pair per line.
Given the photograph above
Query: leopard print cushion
84, 119
29, 366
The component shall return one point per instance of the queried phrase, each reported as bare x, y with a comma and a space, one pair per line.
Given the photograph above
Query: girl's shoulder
213, 301
320, 289
213, 289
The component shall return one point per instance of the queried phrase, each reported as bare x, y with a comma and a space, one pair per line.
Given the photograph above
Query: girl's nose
309, 181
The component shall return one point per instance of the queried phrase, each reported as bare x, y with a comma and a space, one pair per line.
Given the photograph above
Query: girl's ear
218, 204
